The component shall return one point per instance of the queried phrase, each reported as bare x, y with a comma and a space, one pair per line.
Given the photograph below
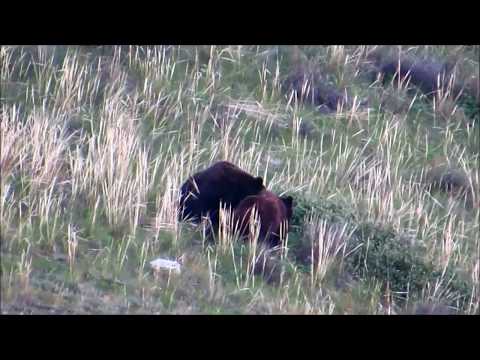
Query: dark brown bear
272, 211
223, 182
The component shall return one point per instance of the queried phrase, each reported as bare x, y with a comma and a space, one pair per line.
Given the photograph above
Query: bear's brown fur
272, 212
222, 182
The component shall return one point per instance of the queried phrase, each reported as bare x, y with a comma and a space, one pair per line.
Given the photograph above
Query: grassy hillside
96, 141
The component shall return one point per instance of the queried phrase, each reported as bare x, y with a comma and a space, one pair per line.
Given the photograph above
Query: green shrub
382, 256
318, 207
471, 107
385, 257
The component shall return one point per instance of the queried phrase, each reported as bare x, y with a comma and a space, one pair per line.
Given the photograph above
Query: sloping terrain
378, 146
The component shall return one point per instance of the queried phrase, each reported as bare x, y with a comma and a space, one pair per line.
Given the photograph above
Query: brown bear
222, 182
272, 212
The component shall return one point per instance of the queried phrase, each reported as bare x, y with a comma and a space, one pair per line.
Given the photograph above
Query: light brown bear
272, 212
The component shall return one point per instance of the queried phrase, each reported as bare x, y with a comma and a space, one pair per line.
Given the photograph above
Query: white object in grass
164, 264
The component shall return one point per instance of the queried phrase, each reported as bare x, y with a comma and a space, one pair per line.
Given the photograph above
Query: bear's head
257, 186
288, 202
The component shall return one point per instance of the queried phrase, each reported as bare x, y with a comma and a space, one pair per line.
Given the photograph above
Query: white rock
275, 162
165, 264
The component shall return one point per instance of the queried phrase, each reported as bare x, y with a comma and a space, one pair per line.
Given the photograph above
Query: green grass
96, 141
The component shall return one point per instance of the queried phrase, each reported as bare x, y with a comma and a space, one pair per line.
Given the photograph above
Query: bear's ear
288, 201
258, 182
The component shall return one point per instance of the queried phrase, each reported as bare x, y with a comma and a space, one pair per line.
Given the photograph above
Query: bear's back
221, 182
271, 210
